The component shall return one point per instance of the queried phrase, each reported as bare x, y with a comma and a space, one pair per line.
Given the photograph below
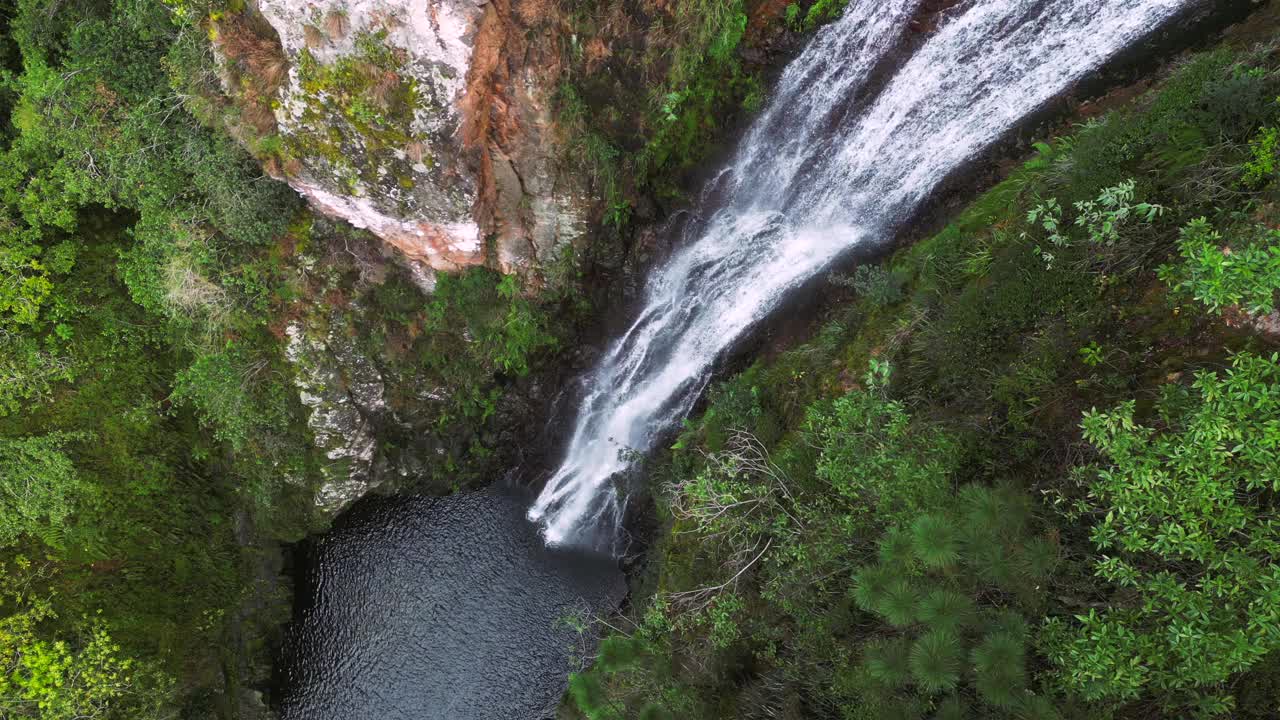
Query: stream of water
839, 159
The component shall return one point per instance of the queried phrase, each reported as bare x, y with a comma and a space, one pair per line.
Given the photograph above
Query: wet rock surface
343, 391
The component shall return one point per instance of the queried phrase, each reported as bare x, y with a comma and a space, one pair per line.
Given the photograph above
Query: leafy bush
1244, 273
871, 452
1186, 533
39, 487
1261, 166
1101, 219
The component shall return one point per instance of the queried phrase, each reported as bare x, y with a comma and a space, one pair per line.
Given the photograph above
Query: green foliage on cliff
667, 83
970, 535
1244, 273
1184, 523
146, 411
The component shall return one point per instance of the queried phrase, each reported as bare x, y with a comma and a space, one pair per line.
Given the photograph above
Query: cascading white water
827, 166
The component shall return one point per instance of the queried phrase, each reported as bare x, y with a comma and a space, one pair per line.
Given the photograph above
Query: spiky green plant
869, 586
981, 506
617, 652
1039, 556
953, 707
999, 664
1005, 621
1037, 707
587, 693
936, 660
935, 540
943, 609
897, 548
993, 564
1000, 512
900, 602
888, 661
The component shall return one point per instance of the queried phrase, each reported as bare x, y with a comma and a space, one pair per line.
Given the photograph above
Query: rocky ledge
429, 124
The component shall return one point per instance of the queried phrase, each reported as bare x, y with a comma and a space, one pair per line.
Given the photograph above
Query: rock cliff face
344, 394
428, 123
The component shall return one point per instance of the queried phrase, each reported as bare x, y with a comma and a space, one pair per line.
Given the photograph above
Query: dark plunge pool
438, 608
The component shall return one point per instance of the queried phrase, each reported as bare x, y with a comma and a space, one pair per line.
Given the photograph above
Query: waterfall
842, 154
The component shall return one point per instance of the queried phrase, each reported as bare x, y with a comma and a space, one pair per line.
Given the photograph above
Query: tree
936, 660
81, 675
39, 487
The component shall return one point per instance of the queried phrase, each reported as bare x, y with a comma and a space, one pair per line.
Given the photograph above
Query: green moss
363, 102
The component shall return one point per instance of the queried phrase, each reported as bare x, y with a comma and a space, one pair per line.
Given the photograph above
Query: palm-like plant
935, 541
587, 693
999, 665
935, 661
1000, 512
947, 610
869, 586
897, 548
888, 661
617, 652
992, 563
1037, 707
900, 602
1039, 556
1005, 621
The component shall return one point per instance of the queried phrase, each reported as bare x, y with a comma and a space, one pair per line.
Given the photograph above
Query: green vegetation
137, 247
690, 60
1025, 468
921, 512
153, 448
1245, 274
1186, 526
363, 102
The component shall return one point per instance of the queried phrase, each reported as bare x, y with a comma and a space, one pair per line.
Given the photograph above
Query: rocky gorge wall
428, 124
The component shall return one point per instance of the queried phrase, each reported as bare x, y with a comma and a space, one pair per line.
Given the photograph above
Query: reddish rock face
428, 123
440, 246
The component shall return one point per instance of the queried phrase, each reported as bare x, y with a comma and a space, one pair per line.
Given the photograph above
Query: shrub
898, 602
999, 664
935, 540
889, 661
1101, 220
1245, 273
589, 695
946, 610
879, 285
1261, 167
1184, 531
39, 487
870, 586
871, 452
